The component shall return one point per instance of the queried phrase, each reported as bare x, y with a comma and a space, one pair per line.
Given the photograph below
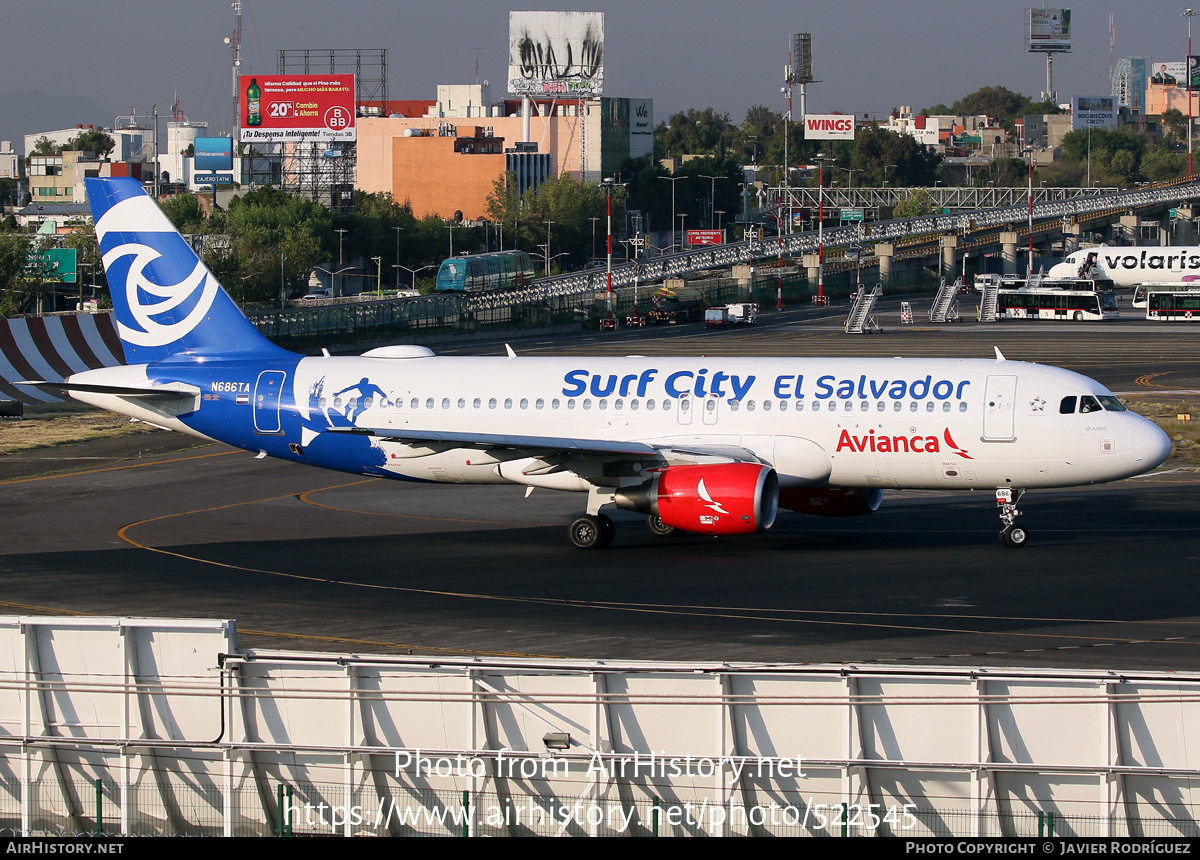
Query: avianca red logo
900, 444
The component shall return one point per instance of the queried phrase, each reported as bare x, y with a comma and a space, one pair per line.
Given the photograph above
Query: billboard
705, 237
1169, 74
1047, 29
558, 54
213, 153
1192, 76
927, 136
1135, 93
296, 108
1093, 112
829, 126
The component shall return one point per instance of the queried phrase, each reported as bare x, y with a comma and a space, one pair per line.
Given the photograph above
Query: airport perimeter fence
444, 316
281, 810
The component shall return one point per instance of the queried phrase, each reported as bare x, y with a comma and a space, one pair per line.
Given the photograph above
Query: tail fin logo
167, 290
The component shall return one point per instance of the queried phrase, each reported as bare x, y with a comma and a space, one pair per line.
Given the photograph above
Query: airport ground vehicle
482, 272
673, 305
1056, 304
1141, 291
1173, 305
712, 445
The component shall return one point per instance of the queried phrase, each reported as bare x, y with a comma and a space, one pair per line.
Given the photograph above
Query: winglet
509, 350
999, 354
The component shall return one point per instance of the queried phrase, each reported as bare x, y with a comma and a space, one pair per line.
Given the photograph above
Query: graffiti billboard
557, 54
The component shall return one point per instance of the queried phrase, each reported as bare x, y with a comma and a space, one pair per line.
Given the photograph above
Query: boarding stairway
988, 301
862, 314
945, 304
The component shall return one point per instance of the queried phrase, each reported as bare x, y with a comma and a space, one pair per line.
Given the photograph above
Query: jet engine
830, 502
719, 499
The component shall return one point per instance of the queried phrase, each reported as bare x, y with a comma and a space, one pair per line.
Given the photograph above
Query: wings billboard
558, 54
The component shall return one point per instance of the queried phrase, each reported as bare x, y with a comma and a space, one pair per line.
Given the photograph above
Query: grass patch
48, 424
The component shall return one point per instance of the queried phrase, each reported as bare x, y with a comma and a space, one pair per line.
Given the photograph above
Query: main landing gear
1011, 534
592, 531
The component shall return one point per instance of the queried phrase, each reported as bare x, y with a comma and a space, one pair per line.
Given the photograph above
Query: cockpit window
1067, 407
1111, 403
1087, 404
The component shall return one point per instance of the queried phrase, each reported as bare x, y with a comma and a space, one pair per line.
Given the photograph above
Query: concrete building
10, 161
443, 167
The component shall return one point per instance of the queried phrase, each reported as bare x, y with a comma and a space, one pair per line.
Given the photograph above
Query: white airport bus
1054, 304
1173, 305
1141, 291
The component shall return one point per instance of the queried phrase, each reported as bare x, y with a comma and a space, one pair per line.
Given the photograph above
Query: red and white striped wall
51, 349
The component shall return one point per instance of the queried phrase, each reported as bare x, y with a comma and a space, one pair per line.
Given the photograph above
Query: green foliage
917, 203
91, 140
18, 290
694, 132
184, 211
881, 154
1160, 164
566, 202
1175, 125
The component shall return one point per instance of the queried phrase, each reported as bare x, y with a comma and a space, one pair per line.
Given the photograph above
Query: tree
1175, 125
91, 140
14, 256
917, 203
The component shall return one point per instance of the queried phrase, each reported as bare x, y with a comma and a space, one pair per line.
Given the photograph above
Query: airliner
705, 445
1128, 267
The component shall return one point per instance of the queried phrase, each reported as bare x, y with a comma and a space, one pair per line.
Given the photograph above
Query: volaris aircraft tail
165, 300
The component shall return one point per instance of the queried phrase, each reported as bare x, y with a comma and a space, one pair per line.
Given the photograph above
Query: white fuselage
889, 423
1128, 267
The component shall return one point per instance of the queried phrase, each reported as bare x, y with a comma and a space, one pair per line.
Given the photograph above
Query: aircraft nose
1151, 446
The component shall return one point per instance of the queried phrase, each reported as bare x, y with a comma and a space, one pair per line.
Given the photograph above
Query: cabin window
880, 406
783, 406
1111, 403
962, 407
445, 402
800, 406
946, 406
587, 404
508, 403
666, 405
817, 406
321, 403
492, 403
368, 402
849, 405
912, 407
898, 406
413, 405
633, 405
685, 405
571, 403
429, 403
650, 405
554, 403
539, 403
1067, 406
929, 406
766, 406
735, 405
476, 403
865, 406
619, 405
524, 403
602, 403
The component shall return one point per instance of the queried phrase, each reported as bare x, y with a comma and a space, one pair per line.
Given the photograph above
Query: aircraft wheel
586, 532
658, 527
608, 530
1014, 536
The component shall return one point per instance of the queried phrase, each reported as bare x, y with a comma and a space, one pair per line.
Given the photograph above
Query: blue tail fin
166, 301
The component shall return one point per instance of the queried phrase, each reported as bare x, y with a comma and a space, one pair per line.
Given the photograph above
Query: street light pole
1189, 14
397, 229
342, 281
548, 223
672, 180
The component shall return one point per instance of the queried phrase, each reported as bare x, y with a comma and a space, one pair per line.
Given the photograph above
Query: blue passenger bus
484, 272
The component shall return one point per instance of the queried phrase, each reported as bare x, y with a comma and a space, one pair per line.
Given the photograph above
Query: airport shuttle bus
1168, 306
1051, 304
1141, 291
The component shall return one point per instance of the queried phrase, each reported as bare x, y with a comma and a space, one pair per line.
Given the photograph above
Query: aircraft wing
560, 452
428, 441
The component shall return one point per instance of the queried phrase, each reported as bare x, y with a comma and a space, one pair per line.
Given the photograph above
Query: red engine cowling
830, 502
719, 499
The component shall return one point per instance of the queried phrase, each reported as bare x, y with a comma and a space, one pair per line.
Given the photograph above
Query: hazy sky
870, 56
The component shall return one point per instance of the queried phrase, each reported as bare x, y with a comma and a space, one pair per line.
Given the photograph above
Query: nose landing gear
1011, 535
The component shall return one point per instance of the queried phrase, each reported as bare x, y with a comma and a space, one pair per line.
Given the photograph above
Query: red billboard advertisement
705, 237
294, 108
